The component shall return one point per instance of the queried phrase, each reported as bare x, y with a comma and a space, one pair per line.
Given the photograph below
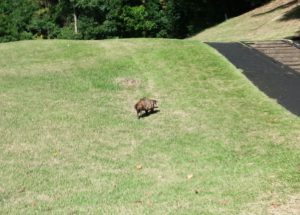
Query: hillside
276, 20
70, 141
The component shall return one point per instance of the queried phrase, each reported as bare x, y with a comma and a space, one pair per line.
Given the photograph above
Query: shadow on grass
149, 113
292, 14
296, 38
286, 5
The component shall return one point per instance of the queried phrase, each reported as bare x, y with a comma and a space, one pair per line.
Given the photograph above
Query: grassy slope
70, 140
276, 20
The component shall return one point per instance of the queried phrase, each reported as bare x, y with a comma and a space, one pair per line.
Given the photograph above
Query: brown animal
146, 105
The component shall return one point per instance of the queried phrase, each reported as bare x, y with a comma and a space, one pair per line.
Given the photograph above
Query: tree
15, 17
99, 19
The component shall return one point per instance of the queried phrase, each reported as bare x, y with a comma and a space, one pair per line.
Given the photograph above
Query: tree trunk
75, 22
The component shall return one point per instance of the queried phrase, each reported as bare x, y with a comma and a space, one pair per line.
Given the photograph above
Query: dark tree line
99, 19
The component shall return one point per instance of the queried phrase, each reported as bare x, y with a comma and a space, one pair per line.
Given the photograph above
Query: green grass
274, 21
70, 141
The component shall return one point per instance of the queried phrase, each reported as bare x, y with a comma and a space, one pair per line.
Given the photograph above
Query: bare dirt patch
127, 82
44, 198
291, 207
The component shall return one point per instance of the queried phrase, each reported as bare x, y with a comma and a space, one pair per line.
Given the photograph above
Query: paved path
283, 51
274, 79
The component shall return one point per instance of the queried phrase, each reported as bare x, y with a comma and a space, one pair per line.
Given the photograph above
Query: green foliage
68, 33
41, 24
99, 19
15, 17
136, 21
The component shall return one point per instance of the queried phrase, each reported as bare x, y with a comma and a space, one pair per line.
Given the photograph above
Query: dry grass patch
290, 207
128, 82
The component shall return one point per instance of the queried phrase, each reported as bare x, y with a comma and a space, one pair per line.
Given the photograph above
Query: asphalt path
273, 78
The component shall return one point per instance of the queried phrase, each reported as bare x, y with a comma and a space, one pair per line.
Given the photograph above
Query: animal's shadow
149, 113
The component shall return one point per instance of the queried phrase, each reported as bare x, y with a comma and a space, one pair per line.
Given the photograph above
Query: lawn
70, 141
